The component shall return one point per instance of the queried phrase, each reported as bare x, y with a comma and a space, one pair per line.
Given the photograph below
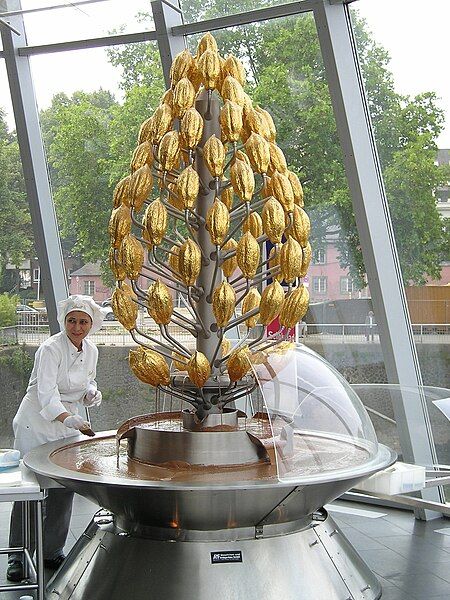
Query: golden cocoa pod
294, 307
229, 265
296, 188
231, 121
191, 128
142, 155
253, 223
282, 190
306, 260
274, 262
217, 222
179, 361
159, 303
209, 66
189, 262
242, 180
183, 97
122, 192
187, 186
277, 160
155, 222
232, 90
131, 256
300, 227
266, 188
119, 225
167, 98
162, 121
207, 42
124, 308
173, 199
225, 346
227, 197
257, 149
232, 66
290, 260
247, 255
146, 131
214, 156
198, 369
271, 131
249, 303
271, 302
195, 76
239, 155
223, 303
115, 266
273, 220
181, 66
149, 366
141, 183
173, 258
239, 363
256, 122
168, 150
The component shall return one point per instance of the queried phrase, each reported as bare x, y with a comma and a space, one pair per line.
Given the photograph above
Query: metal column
34, 165
375, 229
167, 16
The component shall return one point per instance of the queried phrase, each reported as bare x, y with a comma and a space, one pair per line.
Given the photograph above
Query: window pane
199, 11
412, 126
84, 21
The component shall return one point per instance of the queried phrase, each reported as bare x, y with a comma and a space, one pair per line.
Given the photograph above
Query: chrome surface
228, 417
316, 562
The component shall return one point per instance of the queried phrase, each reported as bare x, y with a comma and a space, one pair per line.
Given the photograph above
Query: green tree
76, 131
8, 310
15, 231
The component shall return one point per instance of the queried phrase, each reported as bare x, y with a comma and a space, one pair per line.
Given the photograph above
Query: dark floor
411, 558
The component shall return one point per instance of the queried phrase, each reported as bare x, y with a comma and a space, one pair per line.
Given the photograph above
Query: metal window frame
361, 162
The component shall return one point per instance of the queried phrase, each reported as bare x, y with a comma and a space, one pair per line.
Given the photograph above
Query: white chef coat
60, 378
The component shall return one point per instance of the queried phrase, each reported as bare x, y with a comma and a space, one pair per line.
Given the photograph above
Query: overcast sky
414, 33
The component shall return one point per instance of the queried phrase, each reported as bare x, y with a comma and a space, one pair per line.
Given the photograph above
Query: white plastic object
9, 458
400, 478
26, 598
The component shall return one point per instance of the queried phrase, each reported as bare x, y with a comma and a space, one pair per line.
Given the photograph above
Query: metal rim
38, 460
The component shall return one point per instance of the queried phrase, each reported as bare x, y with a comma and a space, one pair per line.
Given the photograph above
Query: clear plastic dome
318, 423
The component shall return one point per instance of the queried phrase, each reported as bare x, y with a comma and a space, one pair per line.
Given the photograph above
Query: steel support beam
375, 231
166, 18
34, 165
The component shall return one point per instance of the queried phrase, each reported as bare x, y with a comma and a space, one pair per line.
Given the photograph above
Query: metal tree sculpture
222, 188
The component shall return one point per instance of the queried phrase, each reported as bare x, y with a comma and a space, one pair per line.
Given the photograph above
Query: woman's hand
93, 397
76, 422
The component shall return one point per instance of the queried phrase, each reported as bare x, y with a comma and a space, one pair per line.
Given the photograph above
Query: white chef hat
83, 304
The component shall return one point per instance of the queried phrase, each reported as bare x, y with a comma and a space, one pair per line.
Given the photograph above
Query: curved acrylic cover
318, 422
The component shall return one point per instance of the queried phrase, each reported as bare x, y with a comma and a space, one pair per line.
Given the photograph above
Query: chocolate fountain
220, 491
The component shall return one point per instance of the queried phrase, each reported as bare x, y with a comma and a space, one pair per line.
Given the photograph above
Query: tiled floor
411, 558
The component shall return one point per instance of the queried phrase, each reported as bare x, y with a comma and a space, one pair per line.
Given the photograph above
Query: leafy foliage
8, 310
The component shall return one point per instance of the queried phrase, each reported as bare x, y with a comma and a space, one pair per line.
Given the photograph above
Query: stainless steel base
313, 563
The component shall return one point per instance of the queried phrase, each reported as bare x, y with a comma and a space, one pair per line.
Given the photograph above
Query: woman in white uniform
62, 381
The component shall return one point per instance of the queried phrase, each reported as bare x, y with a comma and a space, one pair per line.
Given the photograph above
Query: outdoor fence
112, 333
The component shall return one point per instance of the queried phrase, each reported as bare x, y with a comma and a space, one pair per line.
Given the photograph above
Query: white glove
93, 397
76, 422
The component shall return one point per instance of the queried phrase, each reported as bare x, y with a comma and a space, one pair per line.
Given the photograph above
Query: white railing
112, 333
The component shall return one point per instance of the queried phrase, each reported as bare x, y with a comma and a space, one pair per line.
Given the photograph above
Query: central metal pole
210, 113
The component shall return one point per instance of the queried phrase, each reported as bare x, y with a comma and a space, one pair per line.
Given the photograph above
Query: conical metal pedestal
316, 562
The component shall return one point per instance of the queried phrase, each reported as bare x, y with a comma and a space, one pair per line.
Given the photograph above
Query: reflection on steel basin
207, 499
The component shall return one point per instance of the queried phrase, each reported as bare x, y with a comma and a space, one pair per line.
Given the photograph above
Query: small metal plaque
227, 556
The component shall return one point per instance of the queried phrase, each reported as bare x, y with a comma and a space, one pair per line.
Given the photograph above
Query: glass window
36, 274
320, 284
320, 257
85, 21
89, 288
346, 285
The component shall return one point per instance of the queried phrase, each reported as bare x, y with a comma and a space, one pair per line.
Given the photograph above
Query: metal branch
233, 231
242, 296
242, 318
193, 332
166, 335
214, 277
206, 333
154, 340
